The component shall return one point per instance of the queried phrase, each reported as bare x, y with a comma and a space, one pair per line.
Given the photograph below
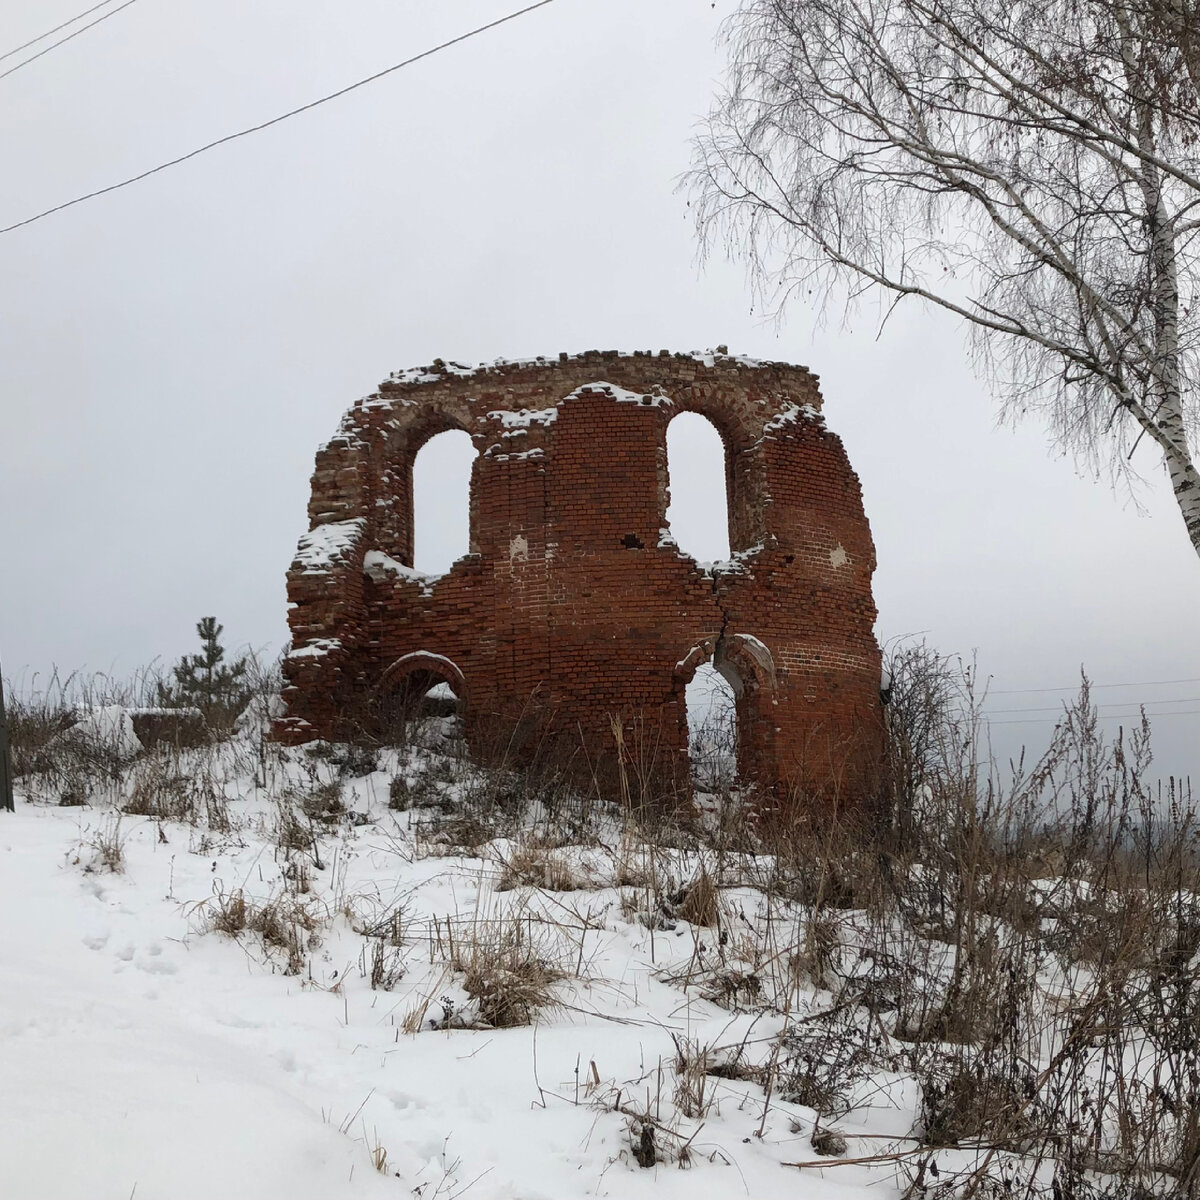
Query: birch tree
1030, 166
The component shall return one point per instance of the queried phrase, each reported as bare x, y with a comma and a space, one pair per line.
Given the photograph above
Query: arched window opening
442, 501
712, 730
698, 515
420, 708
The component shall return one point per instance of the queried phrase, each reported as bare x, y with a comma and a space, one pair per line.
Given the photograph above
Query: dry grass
505, 973
108, 847
57, 763
324, 804
161, 796
282, 922
414, 1020
698, 903
508, 963
820, 1061
386, 967
638, 861
538, 867
292, 832
1029, 954
696, 1074
166, 785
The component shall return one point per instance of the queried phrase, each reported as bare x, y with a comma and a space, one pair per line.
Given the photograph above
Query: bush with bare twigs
284, 924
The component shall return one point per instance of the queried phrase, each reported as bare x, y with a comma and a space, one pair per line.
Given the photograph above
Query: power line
1132, 716
230, 137
62, 41
42, 36
1074, 687
1115, 717
1115, 704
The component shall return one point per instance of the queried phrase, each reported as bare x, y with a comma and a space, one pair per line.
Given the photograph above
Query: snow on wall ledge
325, 546
575, 604
441, 369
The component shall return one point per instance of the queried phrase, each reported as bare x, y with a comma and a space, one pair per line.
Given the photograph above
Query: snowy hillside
247, 971
155, 1056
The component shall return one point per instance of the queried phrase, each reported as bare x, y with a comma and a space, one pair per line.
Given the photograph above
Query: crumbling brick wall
574, 604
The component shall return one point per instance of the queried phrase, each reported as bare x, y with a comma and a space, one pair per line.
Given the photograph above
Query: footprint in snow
404, 1103
157, 966
286, 1059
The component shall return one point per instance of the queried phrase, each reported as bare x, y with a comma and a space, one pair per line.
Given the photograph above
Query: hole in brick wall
420, 707
698, 514
442, 501
712, 729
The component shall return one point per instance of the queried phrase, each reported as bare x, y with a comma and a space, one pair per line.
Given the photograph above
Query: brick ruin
574, 605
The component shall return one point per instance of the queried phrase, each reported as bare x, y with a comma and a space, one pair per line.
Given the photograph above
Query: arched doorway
728, 688
712, 730
420, 698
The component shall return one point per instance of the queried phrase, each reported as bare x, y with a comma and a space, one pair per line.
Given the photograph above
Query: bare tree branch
1031, 166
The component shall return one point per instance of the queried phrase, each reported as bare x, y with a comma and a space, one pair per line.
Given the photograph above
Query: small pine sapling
219, 690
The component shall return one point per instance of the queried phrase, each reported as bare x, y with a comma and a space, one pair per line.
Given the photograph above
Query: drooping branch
1032, 168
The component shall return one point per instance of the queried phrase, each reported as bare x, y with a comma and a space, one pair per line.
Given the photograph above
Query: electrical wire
49, 32
1074, 687
230, 137
62, 41
1134, 716
1054, 708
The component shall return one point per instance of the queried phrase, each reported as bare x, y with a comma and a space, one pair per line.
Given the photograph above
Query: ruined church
575, 623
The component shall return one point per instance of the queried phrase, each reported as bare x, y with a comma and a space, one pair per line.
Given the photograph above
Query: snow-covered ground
146, 1055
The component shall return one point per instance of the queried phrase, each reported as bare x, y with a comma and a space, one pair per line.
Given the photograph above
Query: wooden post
6, 794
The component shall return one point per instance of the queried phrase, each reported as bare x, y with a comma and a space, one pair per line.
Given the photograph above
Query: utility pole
6, 795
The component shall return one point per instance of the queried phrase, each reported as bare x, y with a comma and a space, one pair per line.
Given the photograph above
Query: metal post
6, 794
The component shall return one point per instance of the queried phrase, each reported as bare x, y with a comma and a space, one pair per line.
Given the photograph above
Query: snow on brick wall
575, 605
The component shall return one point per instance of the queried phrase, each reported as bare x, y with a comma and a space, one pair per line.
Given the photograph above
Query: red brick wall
572, 606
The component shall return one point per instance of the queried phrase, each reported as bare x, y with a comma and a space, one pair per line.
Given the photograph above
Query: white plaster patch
838, 556
518, 549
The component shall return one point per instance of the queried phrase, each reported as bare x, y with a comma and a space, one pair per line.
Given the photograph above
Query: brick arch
424, 662
400, 691
715, 406
745, 478
733, 501
415, 428
750, 658
748, 666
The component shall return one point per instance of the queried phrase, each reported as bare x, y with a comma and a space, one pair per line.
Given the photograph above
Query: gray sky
171, 355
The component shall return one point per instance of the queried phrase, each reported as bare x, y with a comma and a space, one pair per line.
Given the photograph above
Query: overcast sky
172, 354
